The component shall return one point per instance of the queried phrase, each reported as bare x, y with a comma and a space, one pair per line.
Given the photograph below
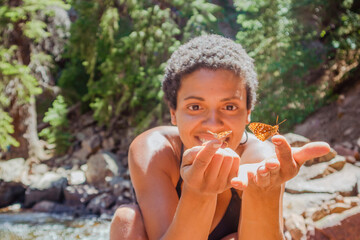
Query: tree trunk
25, 132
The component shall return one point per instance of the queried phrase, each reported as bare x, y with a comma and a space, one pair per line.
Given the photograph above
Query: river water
41, 226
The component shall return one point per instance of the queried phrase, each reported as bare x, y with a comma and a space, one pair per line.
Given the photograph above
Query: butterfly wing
220, 135
223, 134
261, 130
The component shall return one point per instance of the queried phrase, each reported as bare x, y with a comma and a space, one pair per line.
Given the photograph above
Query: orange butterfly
220, 135
263, 131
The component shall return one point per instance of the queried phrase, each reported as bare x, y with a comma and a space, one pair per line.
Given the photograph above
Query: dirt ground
337, 123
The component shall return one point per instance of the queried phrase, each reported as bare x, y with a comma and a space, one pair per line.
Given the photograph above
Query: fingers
223, 167
283, 153
229, 167
234, 168
204, 156
200, 156
245, 174
310, 151
213, 168
263, 177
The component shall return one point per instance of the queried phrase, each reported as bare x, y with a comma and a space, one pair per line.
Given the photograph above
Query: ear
248, 117
173, 116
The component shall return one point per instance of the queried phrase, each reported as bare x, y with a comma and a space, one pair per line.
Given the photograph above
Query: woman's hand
277, 169
208, 169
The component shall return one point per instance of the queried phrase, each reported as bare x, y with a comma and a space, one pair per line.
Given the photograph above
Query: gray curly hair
209, 52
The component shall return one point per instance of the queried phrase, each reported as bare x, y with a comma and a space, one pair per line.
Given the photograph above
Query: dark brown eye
230, 107
194, 107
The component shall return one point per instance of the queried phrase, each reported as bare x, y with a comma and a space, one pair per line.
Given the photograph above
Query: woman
188, 183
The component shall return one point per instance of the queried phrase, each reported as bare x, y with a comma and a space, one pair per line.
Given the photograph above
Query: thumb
310, 151
205, 155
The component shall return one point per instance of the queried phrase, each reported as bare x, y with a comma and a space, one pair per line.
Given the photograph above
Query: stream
41, 226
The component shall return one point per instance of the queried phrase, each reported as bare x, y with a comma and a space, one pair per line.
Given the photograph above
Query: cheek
187, 119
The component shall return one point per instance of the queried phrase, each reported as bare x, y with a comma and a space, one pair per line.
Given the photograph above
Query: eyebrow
194, 97
202, 99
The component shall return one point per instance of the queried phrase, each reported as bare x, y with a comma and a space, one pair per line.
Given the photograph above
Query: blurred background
80, 79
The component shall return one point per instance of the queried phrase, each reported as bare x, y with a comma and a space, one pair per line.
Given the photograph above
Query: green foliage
288, 40
19, 21
23, 85
123, 47
6, 128
58, 132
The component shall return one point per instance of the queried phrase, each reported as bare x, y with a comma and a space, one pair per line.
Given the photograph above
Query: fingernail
272, 167
276, 142
264, 174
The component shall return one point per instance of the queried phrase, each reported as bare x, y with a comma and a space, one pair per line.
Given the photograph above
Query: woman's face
211, 100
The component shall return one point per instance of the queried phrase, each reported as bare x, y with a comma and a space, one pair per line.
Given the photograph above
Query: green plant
289, 41
57, 133
123, 47
20, 29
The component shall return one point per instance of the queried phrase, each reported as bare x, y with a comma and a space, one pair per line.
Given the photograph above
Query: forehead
206, 81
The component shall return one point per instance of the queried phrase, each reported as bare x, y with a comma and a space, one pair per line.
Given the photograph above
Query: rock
52, 207
81, 154
80, 136
49, 187
120, 186
79, 194
314, 171
77, 177
344, 151
10, 192
337, 163
347, 144
100, 166
324, 158
348, 131
299, 203
108, 143
92, 144
344, 181
339, 207
100, 202
11, 170
123, 156
48, 180
316, 213
39, 169
341, 226
350, 159
352, 201
296, 140
287, 235
295, 224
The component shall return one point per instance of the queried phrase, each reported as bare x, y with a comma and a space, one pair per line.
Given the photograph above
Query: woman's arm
261, 214
154, 173
263, 185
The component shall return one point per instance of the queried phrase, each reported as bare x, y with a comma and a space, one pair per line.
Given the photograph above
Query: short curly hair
209, 52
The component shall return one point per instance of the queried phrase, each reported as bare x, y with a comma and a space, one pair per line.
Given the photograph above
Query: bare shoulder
157, 149
256, 150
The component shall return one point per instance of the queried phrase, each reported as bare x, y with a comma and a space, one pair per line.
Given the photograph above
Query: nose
213, 120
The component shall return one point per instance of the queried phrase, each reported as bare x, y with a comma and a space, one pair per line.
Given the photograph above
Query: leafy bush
57, 133
20, 27
123, 47
289, 40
